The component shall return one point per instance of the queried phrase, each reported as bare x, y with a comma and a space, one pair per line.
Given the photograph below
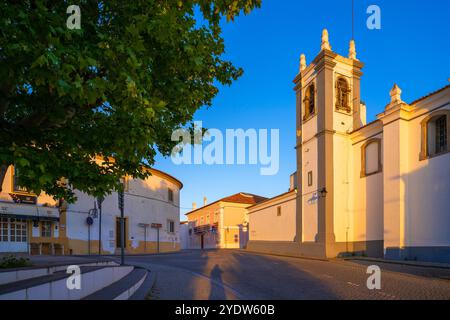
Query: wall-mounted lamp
323, 192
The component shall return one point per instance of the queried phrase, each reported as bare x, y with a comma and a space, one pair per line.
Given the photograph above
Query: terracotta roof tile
241, 197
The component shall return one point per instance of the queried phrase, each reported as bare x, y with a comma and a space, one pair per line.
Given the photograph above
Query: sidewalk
416, 268
403, 262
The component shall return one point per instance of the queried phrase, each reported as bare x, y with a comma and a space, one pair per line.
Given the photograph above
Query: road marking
352, 284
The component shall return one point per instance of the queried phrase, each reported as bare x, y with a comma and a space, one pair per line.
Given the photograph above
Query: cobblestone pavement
234, 274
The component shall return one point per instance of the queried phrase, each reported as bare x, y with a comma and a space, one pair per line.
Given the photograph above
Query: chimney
194, 206
205, 201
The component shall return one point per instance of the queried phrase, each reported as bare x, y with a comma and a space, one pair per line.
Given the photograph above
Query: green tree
117, 87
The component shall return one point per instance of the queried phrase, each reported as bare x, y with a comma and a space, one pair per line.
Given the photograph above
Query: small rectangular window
310, 179
171, 226
170, 195
279, 211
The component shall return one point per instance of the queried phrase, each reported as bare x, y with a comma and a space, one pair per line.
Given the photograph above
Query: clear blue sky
412, 49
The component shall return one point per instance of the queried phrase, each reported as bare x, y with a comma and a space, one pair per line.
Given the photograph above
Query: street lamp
323, 192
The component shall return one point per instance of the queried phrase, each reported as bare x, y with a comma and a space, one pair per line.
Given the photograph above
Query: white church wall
367, 204
342, 215
309, 193
266, 225
428, 190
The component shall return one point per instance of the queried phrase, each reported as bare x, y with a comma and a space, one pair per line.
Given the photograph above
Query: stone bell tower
328, 109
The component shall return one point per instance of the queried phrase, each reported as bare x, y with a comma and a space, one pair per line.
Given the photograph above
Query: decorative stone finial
352, 50
325, 42
395, 93
302, 62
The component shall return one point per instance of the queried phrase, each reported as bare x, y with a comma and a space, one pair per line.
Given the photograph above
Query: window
309, 102
371, 157
201, 220
4, 229
279, 211
342, 95
170, 226
310, 179
207, 218
441, 134
46, 229
435, 134
170, 195
18, 230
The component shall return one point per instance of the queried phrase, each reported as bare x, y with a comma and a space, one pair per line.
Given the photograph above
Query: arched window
342, 95
309, 102
435, 134
371, 157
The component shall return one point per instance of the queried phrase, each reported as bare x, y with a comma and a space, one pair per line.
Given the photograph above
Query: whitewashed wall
264, 224
145, 202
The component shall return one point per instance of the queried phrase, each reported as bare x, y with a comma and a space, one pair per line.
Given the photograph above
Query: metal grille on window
441, 134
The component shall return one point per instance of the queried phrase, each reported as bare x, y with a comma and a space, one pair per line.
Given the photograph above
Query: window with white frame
4, 229
18, 230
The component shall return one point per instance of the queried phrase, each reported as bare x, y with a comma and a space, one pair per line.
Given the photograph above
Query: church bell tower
328, 109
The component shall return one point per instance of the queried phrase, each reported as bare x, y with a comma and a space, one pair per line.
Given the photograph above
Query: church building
380, 189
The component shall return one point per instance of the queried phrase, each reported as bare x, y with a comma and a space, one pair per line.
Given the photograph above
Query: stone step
16, 274
54, 287
122, 289
36, 281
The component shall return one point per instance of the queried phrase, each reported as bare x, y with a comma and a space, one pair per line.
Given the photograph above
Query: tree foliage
118, 87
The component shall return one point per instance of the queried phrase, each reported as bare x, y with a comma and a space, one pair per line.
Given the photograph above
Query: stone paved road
234, 274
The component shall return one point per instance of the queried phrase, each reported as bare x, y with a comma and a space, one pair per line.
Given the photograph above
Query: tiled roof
430, 94
241, 197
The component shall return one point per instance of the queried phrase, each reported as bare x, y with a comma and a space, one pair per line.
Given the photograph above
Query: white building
41, 225
380, 188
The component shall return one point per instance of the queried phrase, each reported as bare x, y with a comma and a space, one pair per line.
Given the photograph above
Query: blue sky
412, 49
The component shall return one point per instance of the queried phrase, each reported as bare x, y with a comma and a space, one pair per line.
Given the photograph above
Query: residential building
381, 188
221, 224
41, 225
184, 235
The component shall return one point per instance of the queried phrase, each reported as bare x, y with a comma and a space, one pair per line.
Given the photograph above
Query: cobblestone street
233, 274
